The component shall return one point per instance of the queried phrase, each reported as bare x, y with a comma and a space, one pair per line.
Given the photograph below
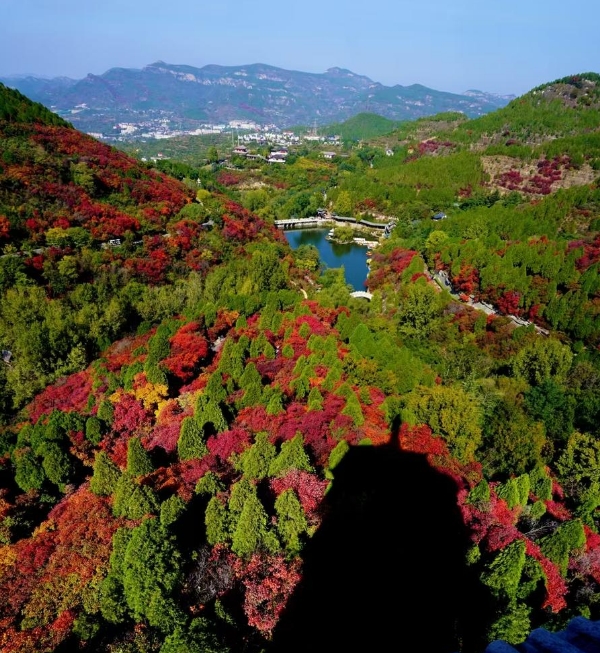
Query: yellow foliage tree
152, 395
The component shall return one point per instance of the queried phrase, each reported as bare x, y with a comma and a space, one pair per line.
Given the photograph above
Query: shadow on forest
386, 569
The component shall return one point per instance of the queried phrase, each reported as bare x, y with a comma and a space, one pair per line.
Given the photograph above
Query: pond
352, 257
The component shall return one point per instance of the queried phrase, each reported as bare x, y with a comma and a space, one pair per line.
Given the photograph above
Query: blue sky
503, 47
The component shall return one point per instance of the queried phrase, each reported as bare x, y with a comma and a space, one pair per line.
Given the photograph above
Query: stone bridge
362, 293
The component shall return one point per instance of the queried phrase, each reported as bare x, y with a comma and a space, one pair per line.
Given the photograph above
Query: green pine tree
105, 476
567, 538
151, 572
241, 491
251, 532
208, 411
315, 399
93, 430
337, 453
210, 483
256, 460
133, 501
56, 463
171, 509
275, 403
105, 412
139, 462
504, 572
354, 410
112, 604
191, 440
215, 390
291, 521
291, 456
216, 520
29, 474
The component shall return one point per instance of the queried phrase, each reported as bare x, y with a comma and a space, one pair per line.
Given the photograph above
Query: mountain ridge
189, 96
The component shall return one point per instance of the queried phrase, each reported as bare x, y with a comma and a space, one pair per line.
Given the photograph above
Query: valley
209, 443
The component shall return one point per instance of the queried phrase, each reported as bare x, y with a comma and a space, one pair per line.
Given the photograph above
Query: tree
307, 257
105, 476
343, 234
315, 399
337, 454
541, 360
29, 474
275, 404
511, 443
191, 440
111, 599
132, 500
139, 462
232, 360
151, 571
215, 390
504, 573
210, 484
343, 203
291, 521
198, 637
513, 626
55, 463
291, 456
251, 383
579, 471
251, 533
550, 404
419, 306
106, 412
216, 520
567, 538
353, 410
256, 460
266, 271
450, 412
212, 155
171, 509
301, 384
241, 491
209, 414
93, 430
515, 491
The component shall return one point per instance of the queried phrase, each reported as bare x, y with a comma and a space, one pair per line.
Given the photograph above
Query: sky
506, 47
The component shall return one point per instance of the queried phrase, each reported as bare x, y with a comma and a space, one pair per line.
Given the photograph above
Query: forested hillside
208, 445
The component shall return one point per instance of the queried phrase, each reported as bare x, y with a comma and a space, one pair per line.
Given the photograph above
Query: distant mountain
188, 96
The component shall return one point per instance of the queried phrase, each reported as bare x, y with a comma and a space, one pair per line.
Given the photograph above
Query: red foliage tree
4, 227
224, 444
269, 582
556, 587
309, 488
188, 348
508, 303
69, 394
467, 280
165, 433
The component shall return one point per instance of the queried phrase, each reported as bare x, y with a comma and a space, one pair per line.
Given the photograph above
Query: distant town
242, 132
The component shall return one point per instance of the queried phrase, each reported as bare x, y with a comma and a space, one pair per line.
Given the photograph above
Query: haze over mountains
189, 96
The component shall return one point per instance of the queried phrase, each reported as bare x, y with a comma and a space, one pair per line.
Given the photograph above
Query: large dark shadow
386, 570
